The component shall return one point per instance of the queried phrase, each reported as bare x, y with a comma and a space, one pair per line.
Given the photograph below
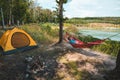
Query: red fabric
81, 44
86, 45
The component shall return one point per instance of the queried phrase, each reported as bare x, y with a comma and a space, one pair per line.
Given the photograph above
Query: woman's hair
69, 38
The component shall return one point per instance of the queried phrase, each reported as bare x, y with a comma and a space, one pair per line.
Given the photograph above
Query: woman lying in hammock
75, 43
80, 44
72, 40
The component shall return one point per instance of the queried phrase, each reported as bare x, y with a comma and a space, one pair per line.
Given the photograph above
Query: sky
86, 8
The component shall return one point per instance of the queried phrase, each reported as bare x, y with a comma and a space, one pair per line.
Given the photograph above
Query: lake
113, 34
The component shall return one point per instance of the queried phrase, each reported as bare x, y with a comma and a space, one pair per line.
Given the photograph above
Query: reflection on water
102, 34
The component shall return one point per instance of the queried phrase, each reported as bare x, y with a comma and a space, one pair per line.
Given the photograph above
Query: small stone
27, 75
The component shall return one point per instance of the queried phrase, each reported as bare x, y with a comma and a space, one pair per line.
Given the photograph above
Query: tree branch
58, 1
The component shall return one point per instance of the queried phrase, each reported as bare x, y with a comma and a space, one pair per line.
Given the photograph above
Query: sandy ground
54, 61
96, 64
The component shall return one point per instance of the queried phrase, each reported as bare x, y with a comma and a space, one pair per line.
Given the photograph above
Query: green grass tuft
73, 70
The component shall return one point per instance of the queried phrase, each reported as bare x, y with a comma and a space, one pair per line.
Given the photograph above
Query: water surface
113, 34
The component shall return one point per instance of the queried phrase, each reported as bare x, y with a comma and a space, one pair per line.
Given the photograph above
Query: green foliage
76, 21
71, 29
14, 10
63, 1
109, 47
25, 11
113, 20
41, 33
35, 32
47, 28
20, 9
87, 38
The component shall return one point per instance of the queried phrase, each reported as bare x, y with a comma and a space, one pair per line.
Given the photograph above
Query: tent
16, 40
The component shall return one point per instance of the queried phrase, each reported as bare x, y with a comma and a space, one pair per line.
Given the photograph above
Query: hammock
81, 44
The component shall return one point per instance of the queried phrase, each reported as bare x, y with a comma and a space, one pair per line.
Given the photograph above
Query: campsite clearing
94, 64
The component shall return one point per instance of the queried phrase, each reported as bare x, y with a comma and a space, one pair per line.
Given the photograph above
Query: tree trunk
61, 21
114, 74
3, 23
10, 13
10, 17
118, 62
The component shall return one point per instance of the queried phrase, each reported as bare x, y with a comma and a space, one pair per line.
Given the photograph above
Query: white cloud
87, 13
85, 8
78, 8
91, 8
117, 8
80, 13
100, 7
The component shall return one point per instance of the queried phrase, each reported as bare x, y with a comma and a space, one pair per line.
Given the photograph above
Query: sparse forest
24, 11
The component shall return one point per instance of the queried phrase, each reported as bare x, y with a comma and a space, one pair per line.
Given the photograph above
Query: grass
71, 29
109, 47
46, 33
72, 66
41, 33
69, 70
87, 38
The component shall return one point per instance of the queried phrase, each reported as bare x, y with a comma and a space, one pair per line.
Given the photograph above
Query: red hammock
81, 44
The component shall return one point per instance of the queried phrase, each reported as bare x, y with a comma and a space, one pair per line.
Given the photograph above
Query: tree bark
118, 62
3, 23
61, 21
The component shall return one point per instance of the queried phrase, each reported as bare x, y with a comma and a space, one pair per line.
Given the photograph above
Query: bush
41, 33
109, 47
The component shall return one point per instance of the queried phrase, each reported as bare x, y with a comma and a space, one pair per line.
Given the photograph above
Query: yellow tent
16, 39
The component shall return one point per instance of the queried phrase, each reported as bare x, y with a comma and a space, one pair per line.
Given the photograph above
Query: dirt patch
94, 66
61, 62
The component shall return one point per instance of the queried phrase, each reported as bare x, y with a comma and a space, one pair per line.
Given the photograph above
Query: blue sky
86, 8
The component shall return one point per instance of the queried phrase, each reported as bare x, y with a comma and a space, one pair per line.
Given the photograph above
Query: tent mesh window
19, 40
